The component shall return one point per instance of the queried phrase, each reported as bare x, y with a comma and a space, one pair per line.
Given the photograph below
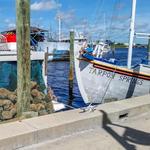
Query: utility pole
71, 75
23, 56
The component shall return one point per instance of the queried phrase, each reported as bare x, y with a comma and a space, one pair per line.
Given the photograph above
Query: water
58, 73
121, 55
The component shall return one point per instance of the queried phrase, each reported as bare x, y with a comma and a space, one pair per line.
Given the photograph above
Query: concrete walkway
110, 126
128, 134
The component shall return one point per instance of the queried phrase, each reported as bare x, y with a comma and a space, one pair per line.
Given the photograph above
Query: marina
75, 76
60, 77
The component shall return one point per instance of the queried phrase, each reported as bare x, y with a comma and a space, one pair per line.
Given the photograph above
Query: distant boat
58, 50
8, 64
8, 67
36, 35
102, 81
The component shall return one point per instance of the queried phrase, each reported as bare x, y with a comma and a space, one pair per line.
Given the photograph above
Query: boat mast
132, 25
59, 28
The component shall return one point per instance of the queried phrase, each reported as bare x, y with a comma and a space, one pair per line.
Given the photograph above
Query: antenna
59, 17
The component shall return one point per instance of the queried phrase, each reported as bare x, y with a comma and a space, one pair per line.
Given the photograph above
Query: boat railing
101, 49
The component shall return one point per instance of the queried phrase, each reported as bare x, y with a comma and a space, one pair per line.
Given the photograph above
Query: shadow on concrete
130, 134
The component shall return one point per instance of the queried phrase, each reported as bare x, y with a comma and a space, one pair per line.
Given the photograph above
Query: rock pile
39, 102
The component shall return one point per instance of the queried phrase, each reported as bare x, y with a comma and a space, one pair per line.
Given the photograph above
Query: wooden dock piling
71, 69
23, 56
46, 60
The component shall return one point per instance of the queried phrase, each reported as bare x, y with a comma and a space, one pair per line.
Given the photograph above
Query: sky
97, 19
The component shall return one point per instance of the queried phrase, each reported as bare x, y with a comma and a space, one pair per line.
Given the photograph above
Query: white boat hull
101, 82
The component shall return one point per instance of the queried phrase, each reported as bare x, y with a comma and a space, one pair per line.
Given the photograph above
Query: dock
117, 125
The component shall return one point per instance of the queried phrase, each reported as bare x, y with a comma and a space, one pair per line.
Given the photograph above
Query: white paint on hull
98, 85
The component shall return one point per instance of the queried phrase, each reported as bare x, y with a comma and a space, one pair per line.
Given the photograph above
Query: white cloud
45, 5
66, 16
122, 18
142, 23
37, 22
9, 23
7, 20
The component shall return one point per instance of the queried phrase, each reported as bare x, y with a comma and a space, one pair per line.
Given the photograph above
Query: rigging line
113, 10
116, 31
125, 30
98, 11
120, 22
97, 8
118, 34
117, 37
65, 25
108, 85
112, 17
99, 14
125, 35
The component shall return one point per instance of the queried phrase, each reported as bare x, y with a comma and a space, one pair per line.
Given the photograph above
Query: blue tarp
88, 53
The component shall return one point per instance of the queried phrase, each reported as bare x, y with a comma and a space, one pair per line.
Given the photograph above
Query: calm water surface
58, 75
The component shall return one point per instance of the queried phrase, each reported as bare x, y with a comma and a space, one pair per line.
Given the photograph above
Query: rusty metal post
23, 56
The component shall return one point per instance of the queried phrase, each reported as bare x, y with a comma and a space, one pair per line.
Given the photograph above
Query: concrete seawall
35, 130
